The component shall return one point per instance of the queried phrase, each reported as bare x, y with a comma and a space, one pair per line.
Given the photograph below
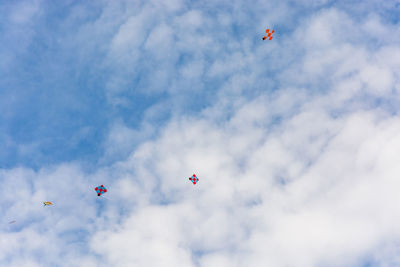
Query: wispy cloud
294, 141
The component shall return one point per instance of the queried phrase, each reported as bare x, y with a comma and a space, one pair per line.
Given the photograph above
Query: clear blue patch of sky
51, 99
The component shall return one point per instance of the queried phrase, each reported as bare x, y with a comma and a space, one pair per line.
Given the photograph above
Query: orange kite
269, 35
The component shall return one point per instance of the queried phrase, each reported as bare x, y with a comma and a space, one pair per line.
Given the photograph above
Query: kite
100, 190
47, 203
269, 35
194, 179
11, 222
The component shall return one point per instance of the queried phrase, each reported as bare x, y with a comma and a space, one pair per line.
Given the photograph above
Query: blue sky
294, 140
55, 106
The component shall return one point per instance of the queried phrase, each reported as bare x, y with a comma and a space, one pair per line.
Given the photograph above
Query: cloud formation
294, 141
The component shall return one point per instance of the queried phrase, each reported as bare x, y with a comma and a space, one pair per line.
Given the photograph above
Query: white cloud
377, 80
296, 166
285, 181
333, 210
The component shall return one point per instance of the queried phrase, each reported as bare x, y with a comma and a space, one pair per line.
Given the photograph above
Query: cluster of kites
194, 179
101, 190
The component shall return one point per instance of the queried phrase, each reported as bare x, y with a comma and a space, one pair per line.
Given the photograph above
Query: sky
295, 140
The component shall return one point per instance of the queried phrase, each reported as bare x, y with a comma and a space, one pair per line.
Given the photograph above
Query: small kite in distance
11, 222
269, 35
100, 190
194, 179
47, 203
